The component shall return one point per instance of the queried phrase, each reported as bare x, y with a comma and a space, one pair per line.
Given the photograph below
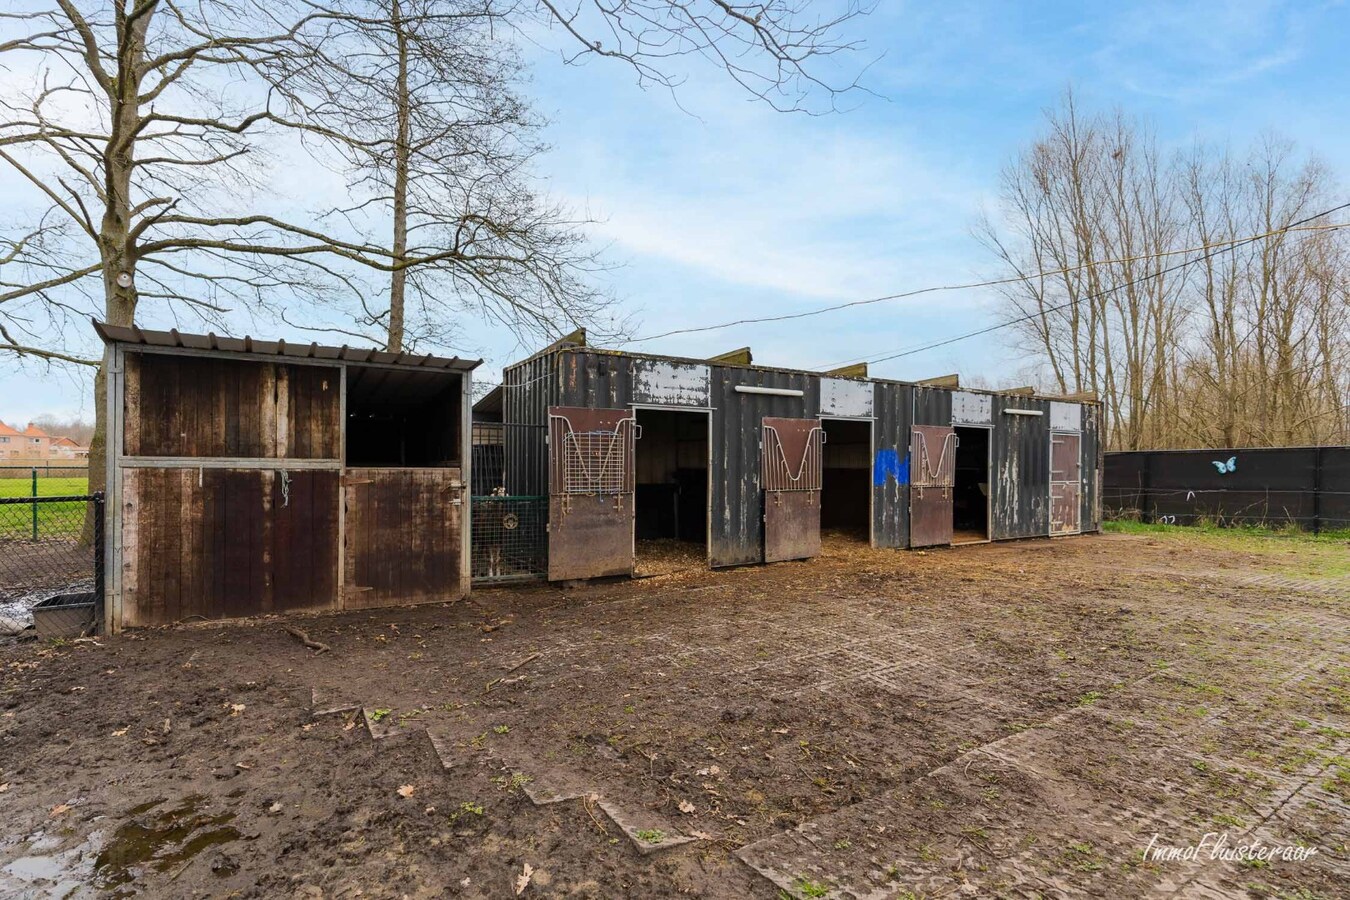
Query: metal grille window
929, 470
592, 462
794, 464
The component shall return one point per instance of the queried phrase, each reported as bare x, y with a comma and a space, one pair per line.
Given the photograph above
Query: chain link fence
51, 565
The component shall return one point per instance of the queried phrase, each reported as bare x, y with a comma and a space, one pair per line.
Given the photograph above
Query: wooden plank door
590, 492
222, 543
403, 541
932, 470
1066, 483
792, 472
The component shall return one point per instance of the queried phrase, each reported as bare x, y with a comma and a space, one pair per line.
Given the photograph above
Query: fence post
1146, 494
100, 602
1317, 491
35, 506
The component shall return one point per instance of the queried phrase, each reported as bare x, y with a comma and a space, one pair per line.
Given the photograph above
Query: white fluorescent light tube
1023, 412
772, 392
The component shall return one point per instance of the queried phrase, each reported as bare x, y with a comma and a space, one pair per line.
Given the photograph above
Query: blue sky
715, 207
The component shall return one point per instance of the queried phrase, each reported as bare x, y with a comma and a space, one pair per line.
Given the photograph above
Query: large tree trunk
402, 148
116, 248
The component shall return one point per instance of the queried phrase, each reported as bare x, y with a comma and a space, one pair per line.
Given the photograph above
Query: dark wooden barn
251, 477
752, 462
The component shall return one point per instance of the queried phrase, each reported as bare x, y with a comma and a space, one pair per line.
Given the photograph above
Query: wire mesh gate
508, 539
51, 565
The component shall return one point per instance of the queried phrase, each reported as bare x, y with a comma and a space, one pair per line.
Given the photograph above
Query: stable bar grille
592, 462
801, 474
924, 471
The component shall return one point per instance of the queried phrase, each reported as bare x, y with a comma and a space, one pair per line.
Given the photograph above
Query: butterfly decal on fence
1225, 467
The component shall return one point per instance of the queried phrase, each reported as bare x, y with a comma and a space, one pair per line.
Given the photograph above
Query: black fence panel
51, 565
1306, 487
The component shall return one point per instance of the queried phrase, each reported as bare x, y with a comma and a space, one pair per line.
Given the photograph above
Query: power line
1230, 244
1224, 247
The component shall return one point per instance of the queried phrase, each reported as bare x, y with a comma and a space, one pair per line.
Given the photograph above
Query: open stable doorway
846, 484
970, 494
670, 525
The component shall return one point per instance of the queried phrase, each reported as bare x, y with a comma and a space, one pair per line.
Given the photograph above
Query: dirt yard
1000, 720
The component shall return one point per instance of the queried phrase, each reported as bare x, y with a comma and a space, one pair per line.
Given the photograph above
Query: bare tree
774, 49
140, 134
137, 135
1189, 343
419, 100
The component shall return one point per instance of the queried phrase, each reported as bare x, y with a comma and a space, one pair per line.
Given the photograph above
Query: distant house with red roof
35, 444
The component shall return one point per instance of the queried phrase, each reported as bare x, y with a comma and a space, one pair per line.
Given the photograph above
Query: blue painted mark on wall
1225, 467
889, 464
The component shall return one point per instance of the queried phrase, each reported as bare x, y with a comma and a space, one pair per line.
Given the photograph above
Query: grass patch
54, 520
1335, 535
1290, 551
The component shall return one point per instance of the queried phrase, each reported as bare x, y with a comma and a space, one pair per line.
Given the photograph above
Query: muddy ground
999, 720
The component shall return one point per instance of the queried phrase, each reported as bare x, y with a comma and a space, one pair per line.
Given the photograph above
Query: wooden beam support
857, 370
1079, 397
942, 381
740, 357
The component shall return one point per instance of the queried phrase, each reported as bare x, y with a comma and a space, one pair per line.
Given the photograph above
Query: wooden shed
250, 477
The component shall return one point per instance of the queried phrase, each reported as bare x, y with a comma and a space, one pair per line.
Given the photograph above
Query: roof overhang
212, 343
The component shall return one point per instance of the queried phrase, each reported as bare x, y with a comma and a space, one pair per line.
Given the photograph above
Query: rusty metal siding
893, 408
932, 406
660, 382
1020, 444
595, 380
736, 525
1092, 467
529, 388
1021, 475
736, 533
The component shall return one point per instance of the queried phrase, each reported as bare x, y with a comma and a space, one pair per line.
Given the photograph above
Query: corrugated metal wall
528, 389
1092, 467
1021, 475
932, 406
1021, 444
737, 499
893, 408
589, 378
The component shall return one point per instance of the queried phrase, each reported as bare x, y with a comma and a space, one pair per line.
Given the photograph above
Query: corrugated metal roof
211, 342
491, 402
